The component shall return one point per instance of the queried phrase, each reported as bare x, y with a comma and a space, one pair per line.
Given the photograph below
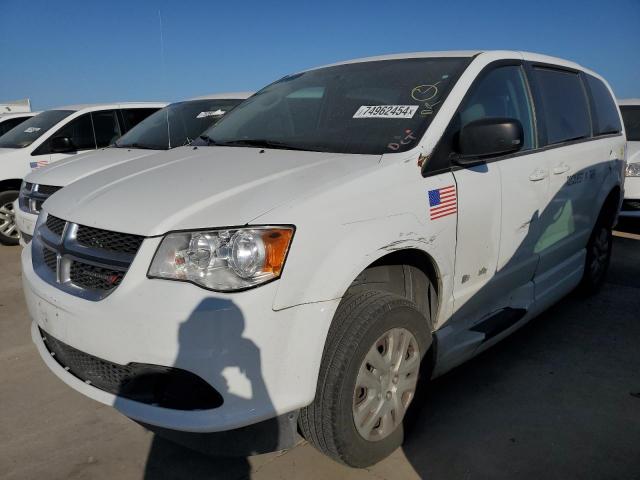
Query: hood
69, 170
199, 187
633, 152
4, 151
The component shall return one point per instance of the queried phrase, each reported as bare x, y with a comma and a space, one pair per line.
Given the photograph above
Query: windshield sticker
402, 140
32, 129
215, 113
386, 111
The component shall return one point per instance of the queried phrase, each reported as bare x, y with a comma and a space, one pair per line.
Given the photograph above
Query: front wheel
368, 378
9, 234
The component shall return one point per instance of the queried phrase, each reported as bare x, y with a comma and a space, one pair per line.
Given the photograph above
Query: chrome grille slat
83, 261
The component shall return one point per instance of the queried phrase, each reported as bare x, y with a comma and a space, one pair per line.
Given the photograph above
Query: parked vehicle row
631, 115
54, 135
176, 125
338, 235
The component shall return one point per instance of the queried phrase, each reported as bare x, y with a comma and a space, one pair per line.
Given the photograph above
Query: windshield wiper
141, 146
264, 143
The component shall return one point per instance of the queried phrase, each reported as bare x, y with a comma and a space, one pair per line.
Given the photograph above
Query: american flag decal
38, 164
442, 202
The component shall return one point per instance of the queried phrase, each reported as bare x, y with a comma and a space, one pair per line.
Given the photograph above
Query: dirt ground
560, 399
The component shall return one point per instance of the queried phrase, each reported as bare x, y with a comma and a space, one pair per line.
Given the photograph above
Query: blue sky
60, 52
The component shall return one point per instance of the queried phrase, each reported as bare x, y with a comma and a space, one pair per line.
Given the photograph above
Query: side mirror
488, 137
62, 145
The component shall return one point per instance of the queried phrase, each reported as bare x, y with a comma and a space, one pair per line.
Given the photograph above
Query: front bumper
631, 204
263, 362
26, 223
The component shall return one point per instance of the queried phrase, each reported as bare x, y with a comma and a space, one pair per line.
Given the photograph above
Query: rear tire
9, 234
365, 329
598, 254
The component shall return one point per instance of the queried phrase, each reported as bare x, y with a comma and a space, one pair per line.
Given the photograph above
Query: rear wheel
598, 254
368, 378
8, 230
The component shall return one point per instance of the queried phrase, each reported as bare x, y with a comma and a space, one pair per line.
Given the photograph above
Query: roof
629, 101
534, 57
99, 106
223, 96
5, 116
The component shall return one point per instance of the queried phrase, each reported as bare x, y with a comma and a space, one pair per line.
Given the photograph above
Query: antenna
164, 77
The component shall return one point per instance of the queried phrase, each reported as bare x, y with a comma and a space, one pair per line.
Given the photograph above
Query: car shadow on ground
546, 402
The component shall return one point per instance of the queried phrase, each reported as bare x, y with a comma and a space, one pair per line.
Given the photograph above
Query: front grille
32, 196
166, 387
84, 261
94, 278
48, 190
50, 259
631, 205
104, 239
55, 225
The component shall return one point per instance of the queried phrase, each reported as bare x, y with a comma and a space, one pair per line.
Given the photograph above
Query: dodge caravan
631, 116
173, 126
340, 234
52, 136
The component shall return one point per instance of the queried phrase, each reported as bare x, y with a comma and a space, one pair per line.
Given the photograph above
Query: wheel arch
10, 184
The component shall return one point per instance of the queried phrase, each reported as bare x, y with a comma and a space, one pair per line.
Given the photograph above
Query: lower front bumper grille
157, 385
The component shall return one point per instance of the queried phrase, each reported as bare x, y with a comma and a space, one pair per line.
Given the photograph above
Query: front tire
367, 379
9, 234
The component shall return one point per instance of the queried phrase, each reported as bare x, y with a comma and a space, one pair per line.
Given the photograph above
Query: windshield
30, 130
177, 124
631, 117
367, 107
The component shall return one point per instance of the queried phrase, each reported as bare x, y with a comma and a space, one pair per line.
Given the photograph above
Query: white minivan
631, 116
54, 135
173, 126
343, 232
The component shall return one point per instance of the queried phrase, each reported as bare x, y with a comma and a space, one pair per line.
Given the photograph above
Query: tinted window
79, 130
565, 112
605, 119
631, 117
106, 128
10, 123
177, 124
502, 93
30, 130
370, 107
133, 116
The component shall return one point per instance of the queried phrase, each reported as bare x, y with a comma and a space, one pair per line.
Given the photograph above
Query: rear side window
631, 117
133, 116
565, 112
105, 125
605, 119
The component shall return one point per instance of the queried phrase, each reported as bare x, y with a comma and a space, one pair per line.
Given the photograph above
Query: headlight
223, 260
633, 170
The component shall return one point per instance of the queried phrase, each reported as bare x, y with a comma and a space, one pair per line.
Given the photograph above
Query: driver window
80, 132
502, 93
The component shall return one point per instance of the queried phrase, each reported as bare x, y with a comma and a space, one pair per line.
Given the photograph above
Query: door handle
538, 174
560, 169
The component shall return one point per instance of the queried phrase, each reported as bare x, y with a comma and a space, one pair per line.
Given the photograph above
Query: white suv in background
342, 232
176, 125
54, 135
631, 115
10, 120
